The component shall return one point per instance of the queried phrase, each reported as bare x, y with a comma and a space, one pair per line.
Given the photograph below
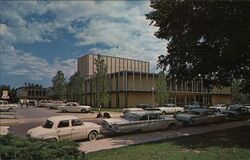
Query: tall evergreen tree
161, 89
101, 82
59, 86
75, 88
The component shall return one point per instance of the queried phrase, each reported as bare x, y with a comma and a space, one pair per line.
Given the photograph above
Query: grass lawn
231, 144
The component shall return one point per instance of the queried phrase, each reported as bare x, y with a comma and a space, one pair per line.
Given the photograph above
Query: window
153, 116
143, 118
47, 124
63, 124
76, 122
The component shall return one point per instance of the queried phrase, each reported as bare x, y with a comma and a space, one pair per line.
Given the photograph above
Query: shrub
12, 147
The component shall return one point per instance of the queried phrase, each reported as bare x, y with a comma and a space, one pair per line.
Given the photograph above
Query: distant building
131, 83
32, 92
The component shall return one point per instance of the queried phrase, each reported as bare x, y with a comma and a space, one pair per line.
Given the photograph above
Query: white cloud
119, 25
17, 62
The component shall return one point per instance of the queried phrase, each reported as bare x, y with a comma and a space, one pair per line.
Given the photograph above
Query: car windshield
131, 117
47, 124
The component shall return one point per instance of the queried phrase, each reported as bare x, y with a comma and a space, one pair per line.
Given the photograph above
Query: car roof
200, 110
60, 118
141, 113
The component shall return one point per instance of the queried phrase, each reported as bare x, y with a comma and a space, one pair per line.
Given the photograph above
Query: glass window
64, 123
76, 122
143, 118
153, 116
48, 124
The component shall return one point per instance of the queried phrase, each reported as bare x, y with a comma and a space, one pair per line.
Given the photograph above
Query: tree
101, 82
75, 88
207, 40
59, 85
161, 89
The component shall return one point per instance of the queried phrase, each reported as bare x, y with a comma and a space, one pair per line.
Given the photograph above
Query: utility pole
153, 97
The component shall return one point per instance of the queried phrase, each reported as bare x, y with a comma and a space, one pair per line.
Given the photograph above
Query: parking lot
28, 118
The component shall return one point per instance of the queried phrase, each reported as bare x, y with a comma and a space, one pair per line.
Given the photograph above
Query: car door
64, 130
78, 130
212, 117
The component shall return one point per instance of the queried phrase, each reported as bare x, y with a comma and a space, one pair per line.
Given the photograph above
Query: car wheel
170, 126
93, 135
164, 113
83, 111
10, 110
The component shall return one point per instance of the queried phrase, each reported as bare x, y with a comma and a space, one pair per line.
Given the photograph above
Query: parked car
192, 105
144, 106
42, 103
65, 127
199, 116
219, 107
236, 112
5, 107
170, 108
247, 105
139, 122
74, 107
55, 104
4, 130
126, 110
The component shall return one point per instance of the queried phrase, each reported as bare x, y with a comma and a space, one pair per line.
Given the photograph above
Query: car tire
170, 126
93, 135
10, 110
83, 111
164, 113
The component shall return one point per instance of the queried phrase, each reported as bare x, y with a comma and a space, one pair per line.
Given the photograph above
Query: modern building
32, 92
131, 83
86, 65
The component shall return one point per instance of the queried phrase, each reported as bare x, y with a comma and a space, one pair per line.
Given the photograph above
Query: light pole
153, 97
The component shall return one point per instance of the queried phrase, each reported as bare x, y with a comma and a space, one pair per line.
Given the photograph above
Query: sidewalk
7, 122
126, 140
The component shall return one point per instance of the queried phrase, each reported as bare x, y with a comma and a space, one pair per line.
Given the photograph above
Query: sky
38, 38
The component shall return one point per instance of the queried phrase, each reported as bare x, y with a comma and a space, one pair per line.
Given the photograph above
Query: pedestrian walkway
126, 140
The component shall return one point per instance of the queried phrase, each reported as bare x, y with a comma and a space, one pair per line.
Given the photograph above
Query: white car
74, 107
127, 110
55, 104
219, 107
5, 107
170, 108
141, 121
65, 127
4, 130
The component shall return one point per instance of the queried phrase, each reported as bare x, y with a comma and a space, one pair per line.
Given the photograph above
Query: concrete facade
86, 64
133, 86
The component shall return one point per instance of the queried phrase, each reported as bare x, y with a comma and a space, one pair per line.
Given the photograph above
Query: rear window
63, 124
48, 124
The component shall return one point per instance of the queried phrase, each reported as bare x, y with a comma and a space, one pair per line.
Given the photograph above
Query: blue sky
37, 38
